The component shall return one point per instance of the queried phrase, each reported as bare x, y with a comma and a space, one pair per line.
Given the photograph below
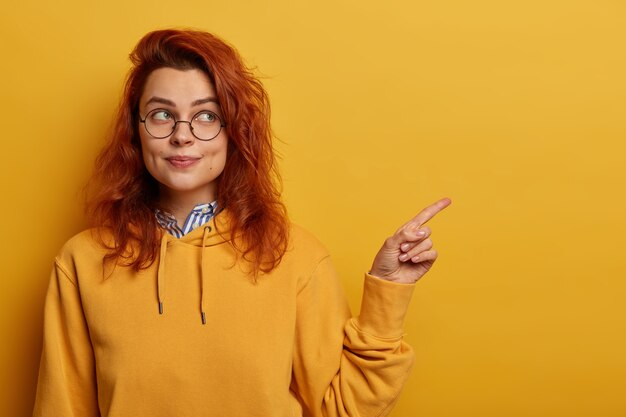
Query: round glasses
161, 123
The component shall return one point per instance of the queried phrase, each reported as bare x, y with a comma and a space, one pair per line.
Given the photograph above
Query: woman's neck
181, 204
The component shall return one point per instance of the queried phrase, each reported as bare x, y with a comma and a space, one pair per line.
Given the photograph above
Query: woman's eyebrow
161, 100
204, 101
171, 103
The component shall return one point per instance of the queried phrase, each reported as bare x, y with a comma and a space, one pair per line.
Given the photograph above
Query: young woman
194, 295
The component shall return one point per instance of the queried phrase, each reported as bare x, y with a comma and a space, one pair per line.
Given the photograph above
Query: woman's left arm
357, 366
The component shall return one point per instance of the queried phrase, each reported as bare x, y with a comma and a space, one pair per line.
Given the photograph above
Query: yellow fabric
284, 346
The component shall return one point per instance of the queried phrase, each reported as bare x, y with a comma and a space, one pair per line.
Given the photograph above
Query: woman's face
185, 166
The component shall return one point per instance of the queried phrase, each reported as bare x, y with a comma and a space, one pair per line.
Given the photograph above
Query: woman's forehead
177, 87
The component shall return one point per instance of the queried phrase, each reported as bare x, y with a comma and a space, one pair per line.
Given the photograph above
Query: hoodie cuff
383, 307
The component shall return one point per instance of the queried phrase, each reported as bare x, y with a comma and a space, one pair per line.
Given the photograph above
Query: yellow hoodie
285, 346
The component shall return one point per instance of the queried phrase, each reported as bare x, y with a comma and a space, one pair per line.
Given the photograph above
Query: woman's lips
182, 161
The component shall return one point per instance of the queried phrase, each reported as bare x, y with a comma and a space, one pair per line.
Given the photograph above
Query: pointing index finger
430, 211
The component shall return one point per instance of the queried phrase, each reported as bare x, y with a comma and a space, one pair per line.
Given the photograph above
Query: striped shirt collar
200, 215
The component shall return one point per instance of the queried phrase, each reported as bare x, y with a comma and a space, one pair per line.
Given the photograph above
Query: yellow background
514, 109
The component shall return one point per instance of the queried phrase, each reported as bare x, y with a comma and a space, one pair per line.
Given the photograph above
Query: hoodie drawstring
207, 230
161, 273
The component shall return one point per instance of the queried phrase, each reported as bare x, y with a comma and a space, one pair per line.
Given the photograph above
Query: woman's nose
182, 135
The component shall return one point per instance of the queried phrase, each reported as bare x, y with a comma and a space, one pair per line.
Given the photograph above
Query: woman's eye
161, 115
206, 117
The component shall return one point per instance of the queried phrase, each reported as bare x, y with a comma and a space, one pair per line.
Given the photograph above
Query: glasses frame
176, 122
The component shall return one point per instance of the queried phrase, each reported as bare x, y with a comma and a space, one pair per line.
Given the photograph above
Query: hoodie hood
218, 233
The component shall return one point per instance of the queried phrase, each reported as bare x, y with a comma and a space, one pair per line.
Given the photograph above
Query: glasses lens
206, 125
160, 123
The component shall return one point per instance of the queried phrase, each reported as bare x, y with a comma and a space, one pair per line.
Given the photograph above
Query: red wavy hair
122, 195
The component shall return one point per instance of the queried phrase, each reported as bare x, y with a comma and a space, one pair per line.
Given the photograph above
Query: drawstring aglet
203, 318
160, 307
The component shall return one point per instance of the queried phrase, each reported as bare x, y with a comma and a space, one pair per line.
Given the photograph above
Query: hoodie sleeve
347, 366
67, 379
